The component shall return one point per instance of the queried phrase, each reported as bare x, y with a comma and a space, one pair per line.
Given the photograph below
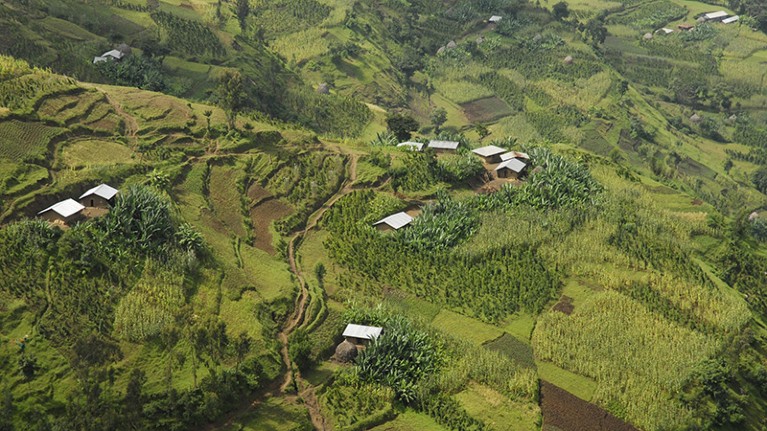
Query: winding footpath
292, 375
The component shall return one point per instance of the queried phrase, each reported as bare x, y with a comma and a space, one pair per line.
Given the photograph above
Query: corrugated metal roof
495, 18
715, 15
731, 19
64, 208
513, 164
488, 151
514, 155
113, 53
362, 331
396, 221
101, 190
417, 146
443, 145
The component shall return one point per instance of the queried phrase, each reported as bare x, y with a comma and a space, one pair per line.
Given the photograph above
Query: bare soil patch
263, 215
485, 110
565, 305
564, 411
256, 193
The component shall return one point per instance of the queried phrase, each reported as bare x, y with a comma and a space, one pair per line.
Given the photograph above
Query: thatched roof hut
695, 118
451, 45
323, 88
346, 352
753, 216
647, 36
568, 60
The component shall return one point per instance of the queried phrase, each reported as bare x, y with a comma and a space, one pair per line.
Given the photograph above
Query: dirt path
292, 378
131, 125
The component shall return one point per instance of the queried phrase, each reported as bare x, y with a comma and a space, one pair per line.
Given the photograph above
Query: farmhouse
515, 155
393, 222
716, 16
685, 27
443, 146
114, 55
664, 30
361, 334
495, 19
412, 146
63, 212
100, 196
511, 168
490, 153
730, 20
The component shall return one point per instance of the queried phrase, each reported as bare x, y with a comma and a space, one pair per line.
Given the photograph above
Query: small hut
523, 157
443, 146
512, 168
101, 196
346, 352
490, 153
695, 118
731, 19
393, 222
64, 212
323, 88
732, 118
647, 36
440, 50
568, 60
495, 19
753, 216
360, 335
451, 45
124, 49
685, 27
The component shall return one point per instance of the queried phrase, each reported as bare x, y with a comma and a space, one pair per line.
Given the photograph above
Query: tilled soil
563, 411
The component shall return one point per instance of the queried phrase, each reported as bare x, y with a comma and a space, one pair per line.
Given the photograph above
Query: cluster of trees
135, 71
189, 37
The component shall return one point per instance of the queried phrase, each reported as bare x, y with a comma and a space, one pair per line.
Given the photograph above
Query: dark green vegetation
253, 143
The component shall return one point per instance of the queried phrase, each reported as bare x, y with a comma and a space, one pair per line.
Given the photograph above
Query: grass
90, 152
514, 349
465, 328
408, 421
17, 177
520, 325
580, 386
273, 414
497, 411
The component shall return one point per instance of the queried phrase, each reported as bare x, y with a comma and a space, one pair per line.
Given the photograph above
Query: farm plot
226, 199
497, 411
486, 110
262, 216
25, 140
95, 152
564, 411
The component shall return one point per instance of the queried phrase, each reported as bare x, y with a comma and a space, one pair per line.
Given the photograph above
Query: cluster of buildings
501, 162
116, 54
718, 16
69, 210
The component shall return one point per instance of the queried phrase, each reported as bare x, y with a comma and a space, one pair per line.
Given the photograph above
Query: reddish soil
697, 202
257, 193
565, 305
262, 215
563, 411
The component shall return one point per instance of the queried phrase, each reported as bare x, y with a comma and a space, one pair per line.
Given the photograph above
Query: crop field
262, 216
410, 420
497, 411
465, 328
25, 140
89, 152
563, 411
485, 110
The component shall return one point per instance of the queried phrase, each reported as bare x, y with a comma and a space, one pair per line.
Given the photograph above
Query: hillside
618, 284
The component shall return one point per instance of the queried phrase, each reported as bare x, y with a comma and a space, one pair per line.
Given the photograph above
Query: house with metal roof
393, 222
114, 54
361, 334
514, 155
101, 196
730, 20
511, 168
63, 212
412, 146
490, 153
716, 16
494, 19
443, 146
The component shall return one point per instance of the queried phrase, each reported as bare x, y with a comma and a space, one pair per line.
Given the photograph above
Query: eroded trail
292, 375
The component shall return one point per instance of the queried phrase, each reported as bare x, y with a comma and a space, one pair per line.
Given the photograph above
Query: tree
482, 131
153, 4
242, 345
230, 95
728, 165
561, 10
402, 125
759, 178
438, 118
300, 348
243, 10
596, 31
133, 402
207, 113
